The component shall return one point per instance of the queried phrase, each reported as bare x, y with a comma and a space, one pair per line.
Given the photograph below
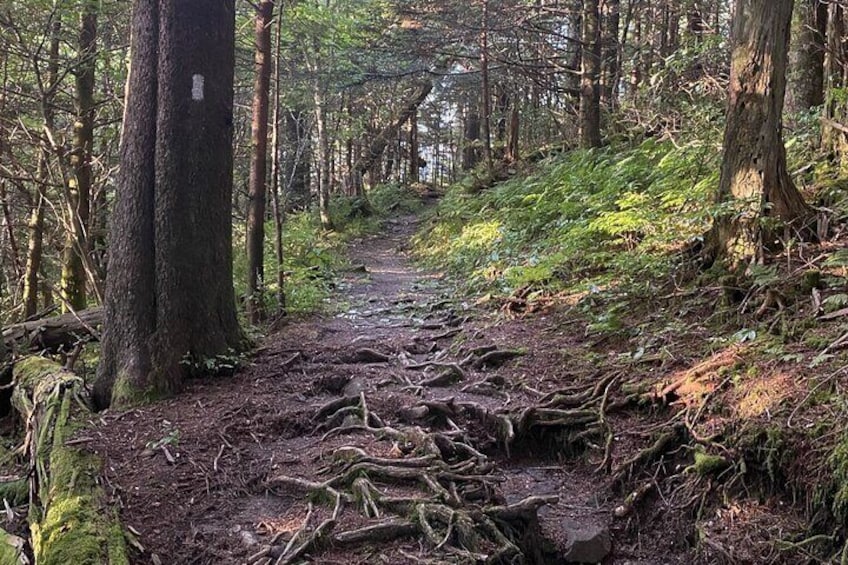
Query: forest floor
411, 426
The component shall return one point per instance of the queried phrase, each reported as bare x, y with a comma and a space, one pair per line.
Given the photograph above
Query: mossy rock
706, 464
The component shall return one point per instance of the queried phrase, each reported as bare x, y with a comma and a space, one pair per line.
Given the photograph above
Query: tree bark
471, 138
169, 285
833, 139
75, 257
296, 162
276, 169
486, 92
35, 227
753, 173
513, 132
590, 111
611, 49
806, 77
414, 156
257, 187
323, 156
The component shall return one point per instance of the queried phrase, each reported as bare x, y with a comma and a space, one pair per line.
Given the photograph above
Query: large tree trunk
169, 285
257, 187
69, 517
806, 77
75, 257
590, 111
753, 173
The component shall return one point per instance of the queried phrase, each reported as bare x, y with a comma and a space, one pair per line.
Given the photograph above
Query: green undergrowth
759, 350
576, 221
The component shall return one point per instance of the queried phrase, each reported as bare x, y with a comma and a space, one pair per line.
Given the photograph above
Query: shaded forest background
369, 94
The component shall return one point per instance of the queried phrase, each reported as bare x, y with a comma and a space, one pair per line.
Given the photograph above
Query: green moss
70, 522
706, 464
126, 395
11, 549
838, 461
15, 492
33, 371
74, 528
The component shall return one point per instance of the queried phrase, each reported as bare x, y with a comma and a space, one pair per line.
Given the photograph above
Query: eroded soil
433, 419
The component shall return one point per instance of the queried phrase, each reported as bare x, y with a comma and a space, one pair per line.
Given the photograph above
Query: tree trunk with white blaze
169, 285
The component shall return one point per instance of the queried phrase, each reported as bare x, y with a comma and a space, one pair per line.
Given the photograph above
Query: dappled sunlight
690, 386
481, 235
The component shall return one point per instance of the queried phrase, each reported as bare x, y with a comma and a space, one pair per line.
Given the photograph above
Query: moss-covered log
12, 549
70, 521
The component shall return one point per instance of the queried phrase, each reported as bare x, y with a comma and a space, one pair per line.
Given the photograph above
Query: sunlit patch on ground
691, 385
762, 395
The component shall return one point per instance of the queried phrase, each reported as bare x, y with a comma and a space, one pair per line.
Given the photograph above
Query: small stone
354, 386
587, 544
248, 539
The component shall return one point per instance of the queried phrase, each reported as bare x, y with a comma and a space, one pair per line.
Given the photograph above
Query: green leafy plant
219, 365
599, 217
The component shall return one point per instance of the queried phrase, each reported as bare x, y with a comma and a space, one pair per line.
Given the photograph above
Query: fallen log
56, 333
70, 521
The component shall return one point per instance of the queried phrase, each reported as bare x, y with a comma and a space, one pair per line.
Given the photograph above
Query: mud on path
407, 427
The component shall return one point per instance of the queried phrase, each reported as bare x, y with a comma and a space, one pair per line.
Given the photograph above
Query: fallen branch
56, 333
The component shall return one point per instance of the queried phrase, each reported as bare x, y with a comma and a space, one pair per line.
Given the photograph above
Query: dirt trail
407, 427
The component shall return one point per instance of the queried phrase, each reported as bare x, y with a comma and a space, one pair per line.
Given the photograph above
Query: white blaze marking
197, 87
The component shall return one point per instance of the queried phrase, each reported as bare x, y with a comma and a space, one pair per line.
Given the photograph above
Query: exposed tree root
496, 358
457, 513
366, 355
666, 442
451, 374
446, 334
